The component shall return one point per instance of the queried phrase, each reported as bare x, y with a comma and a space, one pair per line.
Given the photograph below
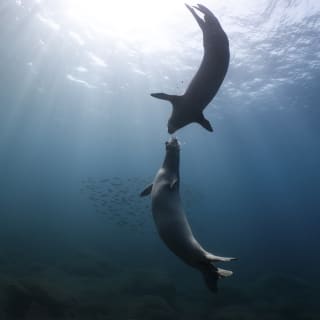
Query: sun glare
120, 15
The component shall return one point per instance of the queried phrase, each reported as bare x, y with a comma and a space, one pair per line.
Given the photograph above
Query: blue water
80, 137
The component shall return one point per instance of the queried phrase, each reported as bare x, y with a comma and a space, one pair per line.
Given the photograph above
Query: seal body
172, 223
189, 107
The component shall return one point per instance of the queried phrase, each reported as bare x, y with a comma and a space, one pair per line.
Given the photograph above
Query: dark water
80, 138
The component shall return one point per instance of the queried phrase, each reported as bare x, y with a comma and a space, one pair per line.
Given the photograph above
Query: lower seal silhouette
172, 223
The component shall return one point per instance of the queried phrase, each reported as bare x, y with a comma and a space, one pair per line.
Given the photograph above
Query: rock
150, 283
151, 307
18, 297
234, 313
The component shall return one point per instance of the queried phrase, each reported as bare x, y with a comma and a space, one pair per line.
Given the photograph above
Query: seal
188, 108
172, 223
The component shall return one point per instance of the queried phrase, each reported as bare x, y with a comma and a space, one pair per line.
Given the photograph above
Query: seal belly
208, 79
174, 229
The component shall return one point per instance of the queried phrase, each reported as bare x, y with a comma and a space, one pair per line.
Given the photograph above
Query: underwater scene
115, 204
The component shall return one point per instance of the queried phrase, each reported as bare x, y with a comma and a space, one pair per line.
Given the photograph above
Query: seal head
173, 144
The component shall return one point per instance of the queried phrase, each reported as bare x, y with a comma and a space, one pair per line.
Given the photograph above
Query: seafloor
84, 287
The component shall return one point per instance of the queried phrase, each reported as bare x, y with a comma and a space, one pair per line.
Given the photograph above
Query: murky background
80, 137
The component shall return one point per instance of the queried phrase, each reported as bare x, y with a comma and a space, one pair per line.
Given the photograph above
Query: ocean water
80, 137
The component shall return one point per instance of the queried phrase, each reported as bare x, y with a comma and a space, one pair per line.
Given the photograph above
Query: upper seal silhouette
188, 108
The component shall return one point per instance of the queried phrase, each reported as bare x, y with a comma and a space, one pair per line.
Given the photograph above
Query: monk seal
172, 223
188, 108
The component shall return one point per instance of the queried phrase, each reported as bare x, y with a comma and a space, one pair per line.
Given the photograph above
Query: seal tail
212, 274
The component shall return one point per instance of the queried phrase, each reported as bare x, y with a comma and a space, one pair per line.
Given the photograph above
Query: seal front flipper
147, 190
163, 96
174, 182
205, 123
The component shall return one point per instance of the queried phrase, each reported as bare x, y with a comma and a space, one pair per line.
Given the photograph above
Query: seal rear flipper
212, 274
210, 277
198, 19
147, 190
205, 123
224, 273
204, 10
212, 258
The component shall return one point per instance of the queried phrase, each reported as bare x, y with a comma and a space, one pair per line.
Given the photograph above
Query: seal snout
173, 143
171, 130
